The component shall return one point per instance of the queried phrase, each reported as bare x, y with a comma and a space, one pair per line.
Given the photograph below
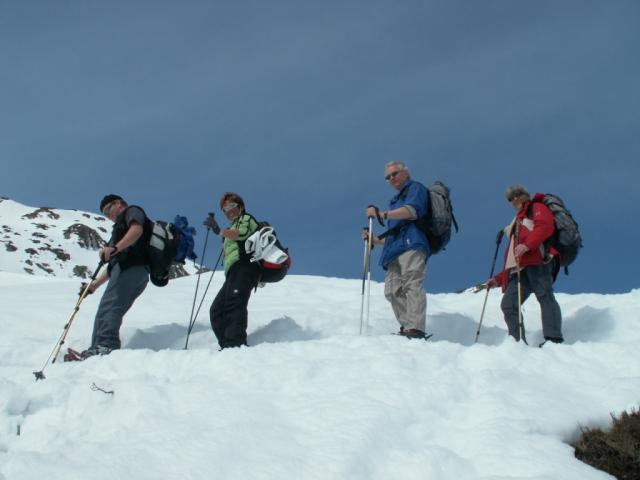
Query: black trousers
228, 312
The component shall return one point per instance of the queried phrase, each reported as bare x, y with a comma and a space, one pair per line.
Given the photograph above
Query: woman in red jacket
537, 262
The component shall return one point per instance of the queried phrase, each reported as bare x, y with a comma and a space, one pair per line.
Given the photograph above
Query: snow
33, 239
310, 399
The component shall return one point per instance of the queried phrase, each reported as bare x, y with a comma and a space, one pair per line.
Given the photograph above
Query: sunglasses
392, 175
107, 209
229, 206
512, 197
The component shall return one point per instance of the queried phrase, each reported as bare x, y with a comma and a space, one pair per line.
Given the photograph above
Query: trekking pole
365, 265
520, 319
193, 320
56, 350
204, 251
370, 247
364, 276
493, 266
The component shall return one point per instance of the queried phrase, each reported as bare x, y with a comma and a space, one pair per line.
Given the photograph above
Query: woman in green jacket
228, 312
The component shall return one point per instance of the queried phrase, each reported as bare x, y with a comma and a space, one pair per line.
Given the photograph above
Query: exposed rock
28, 270
87, 237
58, 252
43, 210
81, 271
177, 271
38, 234
31, 251
45, 267
41, 226
10, 247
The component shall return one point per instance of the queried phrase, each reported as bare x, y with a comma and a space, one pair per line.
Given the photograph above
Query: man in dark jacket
406, 250
127, 274
537, 263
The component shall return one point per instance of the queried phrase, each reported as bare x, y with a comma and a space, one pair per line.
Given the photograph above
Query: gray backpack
566, 238
436, 225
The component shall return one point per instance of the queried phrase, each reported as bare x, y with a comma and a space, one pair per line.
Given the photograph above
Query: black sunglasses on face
392, 175
107, 209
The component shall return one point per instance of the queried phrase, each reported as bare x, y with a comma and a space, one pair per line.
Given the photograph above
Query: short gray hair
516, 190
397, 163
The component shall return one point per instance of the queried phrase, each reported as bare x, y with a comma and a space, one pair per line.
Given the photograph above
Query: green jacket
247, 226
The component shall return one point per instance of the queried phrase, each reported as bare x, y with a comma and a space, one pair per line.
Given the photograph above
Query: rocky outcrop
44, 211
87, 237
55, 242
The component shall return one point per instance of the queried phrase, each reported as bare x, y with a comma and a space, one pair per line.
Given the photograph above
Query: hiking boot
93, 351
412, 333
75, 356
552, 340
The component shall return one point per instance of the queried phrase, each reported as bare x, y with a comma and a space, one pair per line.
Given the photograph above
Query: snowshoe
414, 333
75, 356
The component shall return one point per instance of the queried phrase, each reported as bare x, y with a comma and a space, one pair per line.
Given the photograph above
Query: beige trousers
404, 288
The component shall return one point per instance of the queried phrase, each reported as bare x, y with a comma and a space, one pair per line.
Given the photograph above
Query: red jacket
533, 236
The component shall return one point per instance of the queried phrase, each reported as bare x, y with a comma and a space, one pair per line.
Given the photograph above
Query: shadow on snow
283, 329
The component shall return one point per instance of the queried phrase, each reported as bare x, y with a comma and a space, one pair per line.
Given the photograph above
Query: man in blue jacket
406, 250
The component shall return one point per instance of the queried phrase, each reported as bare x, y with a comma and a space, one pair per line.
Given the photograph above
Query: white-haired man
405, 250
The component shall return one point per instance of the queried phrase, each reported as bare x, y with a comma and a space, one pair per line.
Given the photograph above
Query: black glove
378, 216
83, 286
210, 222
365, 237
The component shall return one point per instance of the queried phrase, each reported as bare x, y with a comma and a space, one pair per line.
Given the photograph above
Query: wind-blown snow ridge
310, 399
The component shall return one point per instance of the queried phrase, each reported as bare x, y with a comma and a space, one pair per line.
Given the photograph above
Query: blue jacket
408, 236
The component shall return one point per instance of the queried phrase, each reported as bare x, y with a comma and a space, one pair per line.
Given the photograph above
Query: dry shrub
617, 451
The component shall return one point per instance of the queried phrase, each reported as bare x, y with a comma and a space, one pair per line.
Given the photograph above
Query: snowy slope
54, 242
310, 399
50, 242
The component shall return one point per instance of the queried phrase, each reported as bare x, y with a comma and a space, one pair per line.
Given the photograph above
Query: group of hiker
531, 264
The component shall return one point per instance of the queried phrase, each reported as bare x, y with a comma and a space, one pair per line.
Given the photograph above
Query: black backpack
170, 243
566, 237
269, 272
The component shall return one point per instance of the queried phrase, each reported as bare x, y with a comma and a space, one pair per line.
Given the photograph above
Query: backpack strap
243, 252
548, 241
138, 253
245, 257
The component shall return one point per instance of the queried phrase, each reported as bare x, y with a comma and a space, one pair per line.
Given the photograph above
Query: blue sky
297, 106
